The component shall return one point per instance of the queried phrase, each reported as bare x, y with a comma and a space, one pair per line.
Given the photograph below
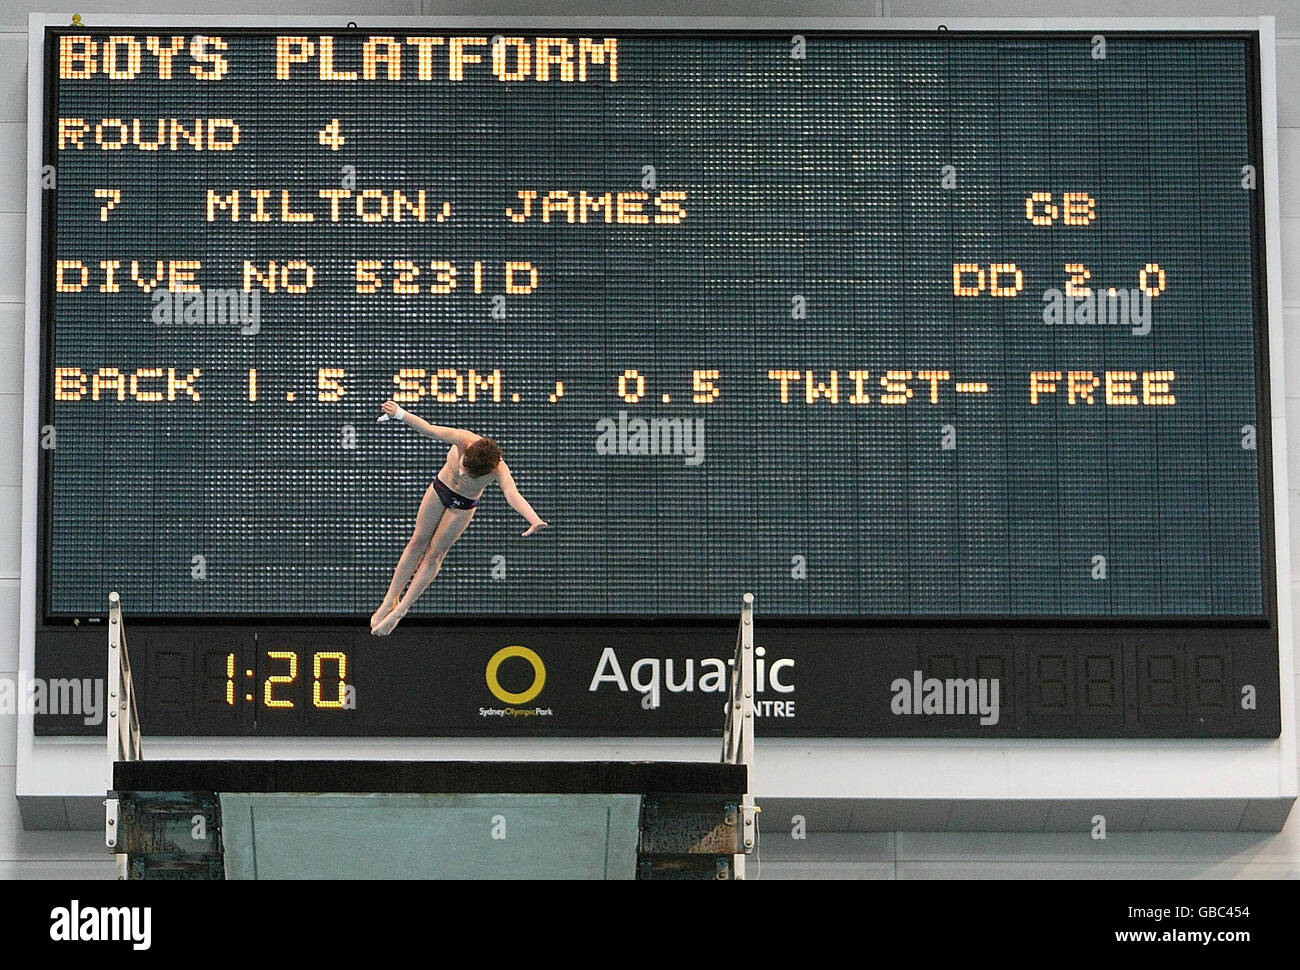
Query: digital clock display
900, 331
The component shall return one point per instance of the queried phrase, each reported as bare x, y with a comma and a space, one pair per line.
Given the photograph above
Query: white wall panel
13, 74
18, 845
1288, 83
11, 438
1288, 171
8, 634
1287, 12
13, 166
12, 256
13, 13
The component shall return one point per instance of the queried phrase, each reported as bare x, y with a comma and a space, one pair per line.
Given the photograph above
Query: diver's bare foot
384, 608
385, 626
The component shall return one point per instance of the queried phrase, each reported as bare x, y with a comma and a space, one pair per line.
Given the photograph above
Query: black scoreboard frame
68, 645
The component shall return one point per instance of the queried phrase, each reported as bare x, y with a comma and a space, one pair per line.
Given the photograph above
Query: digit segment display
891, 327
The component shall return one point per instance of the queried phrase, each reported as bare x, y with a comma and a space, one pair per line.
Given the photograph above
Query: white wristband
399, 414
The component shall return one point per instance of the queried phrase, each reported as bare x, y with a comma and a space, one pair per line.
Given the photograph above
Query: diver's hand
392, 410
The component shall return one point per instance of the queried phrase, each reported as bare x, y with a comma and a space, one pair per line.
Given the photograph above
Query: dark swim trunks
450, 499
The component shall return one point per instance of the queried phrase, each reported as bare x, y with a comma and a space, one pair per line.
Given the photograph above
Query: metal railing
738, 733
123, 720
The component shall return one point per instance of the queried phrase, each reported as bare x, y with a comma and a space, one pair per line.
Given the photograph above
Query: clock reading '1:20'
329, 690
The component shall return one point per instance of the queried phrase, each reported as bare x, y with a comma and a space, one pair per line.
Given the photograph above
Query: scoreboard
951, 347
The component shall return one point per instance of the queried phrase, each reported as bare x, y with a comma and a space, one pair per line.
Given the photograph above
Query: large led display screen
882, 327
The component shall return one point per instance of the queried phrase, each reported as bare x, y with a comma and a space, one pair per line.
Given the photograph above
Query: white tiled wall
822, 854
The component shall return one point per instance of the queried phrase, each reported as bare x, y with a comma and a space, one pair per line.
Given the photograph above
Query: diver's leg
450, 528
426, 524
